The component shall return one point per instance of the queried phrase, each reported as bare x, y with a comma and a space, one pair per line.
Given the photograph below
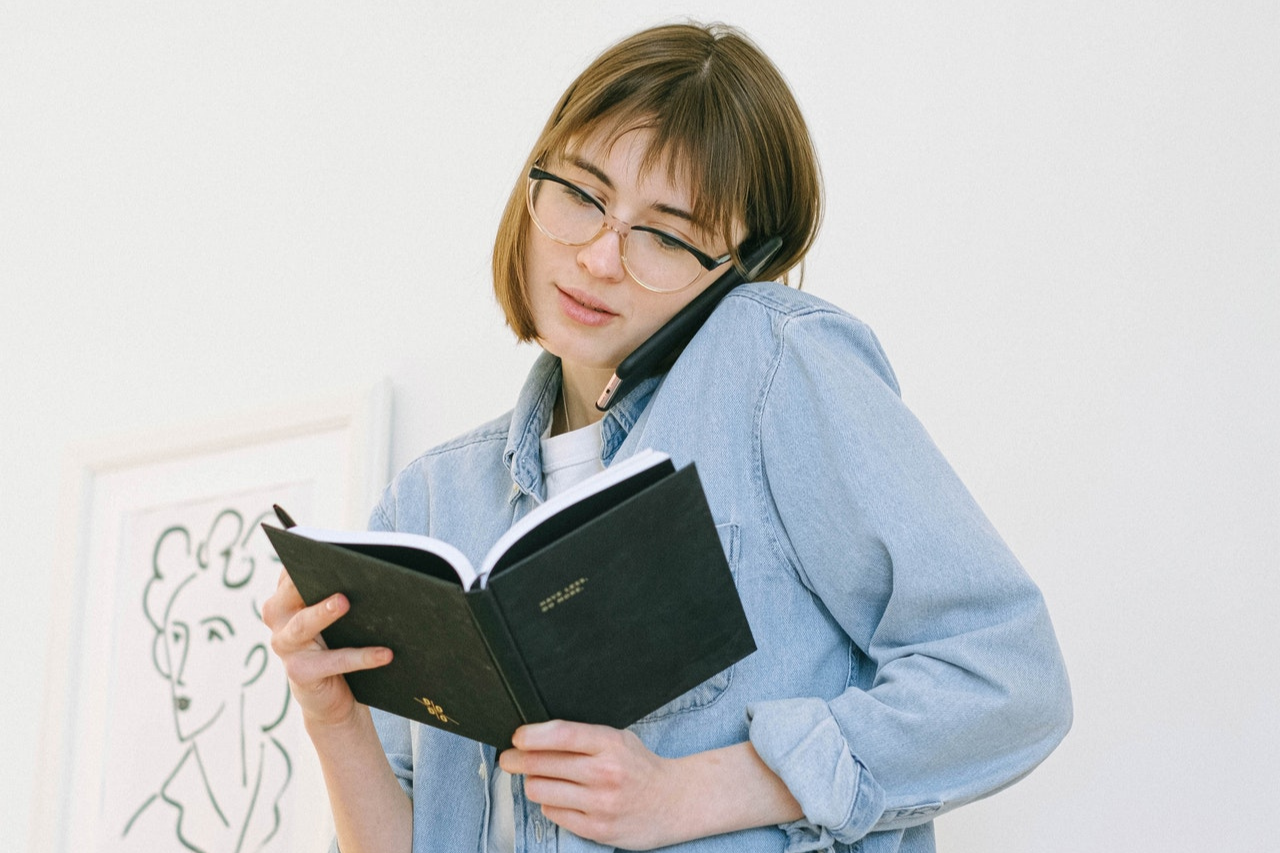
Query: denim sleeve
959, 687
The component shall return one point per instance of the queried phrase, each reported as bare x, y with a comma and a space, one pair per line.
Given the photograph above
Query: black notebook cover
605, 624
441, 672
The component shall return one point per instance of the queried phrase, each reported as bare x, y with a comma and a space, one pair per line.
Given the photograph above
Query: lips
583, 307
585, 300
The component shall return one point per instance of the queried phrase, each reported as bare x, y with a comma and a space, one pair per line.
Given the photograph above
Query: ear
255, 663
160, 654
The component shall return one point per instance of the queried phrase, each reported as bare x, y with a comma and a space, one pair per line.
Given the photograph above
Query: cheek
208, 653
652, 310
541, 256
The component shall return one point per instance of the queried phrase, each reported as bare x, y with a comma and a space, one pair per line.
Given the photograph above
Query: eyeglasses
571, 216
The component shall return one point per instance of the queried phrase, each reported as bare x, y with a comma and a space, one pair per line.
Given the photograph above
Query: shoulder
488, 433
782, 301
486, 440
798, 328
475, 454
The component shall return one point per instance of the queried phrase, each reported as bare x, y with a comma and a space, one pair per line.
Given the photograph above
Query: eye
578, 196
668, 243
177, 636
215, 634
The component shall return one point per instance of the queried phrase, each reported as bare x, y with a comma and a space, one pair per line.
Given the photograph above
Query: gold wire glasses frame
571, 216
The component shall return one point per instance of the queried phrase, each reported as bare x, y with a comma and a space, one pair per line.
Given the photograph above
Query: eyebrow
599, 174
225, 623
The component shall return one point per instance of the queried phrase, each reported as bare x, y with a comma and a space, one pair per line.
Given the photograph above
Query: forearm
724, 790
371, 813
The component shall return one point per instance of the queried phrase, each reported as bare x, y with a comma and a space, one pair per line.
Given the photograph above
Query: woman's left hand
599, 783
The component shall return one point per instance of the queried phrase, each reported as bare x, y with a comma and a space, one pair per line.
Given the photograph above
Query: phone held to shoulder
662, 348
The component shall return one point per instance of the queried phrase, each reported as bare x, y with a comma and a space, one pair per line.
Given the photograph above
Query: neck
579, 389
238, 753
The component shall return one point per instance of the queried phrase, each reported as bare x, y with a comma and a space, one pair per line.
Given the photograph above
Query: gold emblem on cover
435, 710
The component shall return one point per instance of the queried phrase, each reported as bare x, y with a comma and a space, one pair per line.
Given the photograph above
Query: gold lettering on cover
563, 595
435, 710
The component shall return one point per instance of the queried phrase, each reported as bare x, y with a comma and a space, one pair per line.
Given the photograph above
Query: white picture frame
167, 722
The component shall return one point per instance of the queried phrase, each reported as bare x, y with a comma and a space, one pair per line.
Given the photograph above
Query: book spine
502, 648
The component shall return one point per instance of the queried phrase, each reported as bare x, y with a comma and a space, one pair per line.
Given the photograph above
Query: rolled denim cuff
799, 740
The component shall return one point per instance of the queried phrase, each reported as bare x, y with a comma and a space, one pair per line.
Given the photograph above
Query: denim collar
533, 411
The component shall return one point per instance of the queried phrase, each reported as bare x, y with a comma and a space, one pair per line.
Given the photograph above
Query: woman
906, 663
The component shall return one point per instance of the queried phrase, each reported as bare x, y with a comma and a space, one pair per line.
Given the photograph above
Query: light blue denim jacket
906, 662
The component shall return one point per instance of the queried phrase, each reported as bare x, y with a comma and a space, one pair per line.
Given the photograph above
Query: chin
590, 358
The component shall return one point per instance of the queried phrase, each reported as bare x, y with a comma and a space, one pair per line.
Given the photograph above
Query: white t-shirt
567, 459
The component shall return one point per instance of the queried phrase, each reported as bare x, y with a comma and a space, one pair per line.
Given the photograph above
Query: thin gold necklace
564, 409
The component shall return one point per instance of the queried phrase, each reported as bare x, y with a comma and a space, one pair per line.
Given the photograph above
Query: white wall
1062, 220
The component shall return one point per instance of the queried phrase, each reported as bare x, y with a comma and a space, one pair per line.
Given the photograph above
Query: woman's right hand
370, 809
315, 671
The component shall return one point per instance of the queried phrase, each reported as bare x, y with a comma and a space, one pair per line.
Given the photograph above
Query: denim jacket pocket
710, 690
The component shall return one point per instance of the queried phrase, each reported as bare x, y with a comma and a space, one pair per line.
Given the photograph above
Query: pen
284, 517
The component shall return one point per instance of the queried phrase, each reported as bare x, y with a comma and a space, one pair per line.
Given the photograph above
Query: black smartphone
664, 346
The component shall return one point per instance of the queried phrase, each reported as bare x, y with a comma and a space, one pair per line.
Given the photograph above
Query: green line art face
204, 601
209, 661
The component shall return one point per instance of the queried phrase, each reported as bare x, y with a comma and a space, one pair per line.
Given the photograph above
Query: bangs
698, 138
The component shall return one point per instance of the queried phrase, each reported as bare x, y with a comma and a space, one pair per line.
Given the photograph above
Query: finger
564, 736
284, 584
283, 603
557, 793
575, 821
554, 765
313, 667
304, 626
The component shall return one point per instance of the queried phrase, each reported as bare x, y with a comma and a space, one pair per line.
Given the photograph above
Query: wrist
356, 722
729, 789
685, 799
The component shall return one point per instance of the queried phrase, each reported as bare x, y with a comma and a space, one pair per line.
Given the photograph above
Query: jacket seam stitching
788, 312
764, 494
463, 443
380, 515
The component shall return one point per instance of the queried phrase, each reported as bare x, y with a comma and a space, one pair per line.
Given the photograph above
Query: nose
180, 670
602, 257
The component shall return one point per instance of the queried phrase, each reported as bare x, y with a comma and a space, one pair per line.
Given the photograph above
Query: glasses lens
569, 215
659, 262
564, 213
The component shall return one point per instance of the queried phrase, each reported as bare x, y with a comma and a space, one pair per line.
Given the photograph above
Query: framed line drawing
168, 724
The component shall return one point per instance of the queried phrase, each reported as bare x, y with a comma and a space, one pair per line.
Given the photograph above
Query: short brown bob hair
722, 117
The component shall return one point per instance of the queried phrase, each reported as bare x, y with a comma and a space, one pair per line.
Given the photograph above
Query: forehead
206, 596
630, 157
